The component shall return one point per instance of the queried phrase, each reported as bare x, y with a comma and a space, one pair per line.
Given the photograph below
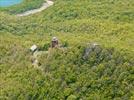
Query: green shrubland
65, 75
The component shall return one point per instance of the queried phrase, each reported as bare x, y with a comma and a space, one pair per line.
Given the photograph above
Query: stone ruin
55, 42
36, 53
91, 47
33, 48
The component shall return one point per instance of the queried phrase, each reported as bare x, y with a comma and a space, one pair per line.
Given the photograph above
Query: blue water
7, 3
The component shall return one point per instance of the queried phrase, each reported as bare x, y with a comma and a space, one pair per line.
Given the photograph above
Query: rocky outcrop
92, 47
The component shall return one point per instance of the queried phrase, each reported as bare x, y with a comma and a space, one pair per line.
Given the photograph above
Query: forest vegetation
65, 75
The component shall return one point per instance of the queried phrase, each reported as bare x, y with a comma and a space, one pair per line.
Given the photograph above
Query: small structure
54, 42
33, 48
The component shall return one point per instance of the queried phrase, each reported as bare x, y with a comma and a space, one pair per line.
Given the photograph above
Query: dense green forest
106, 73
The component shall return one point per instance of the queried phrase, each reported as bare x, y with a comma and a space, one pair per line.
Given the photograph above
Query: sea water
7, 3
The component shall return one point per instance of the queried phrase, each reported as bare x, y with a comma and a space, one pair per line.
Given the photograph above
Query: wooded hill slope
107, 75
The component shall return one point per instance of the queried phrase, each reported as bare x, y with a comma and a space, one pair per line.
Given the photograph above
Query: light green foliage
107, 75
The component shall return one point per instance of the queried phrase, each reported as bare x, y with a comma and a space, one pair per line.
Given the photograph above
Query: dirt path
43, 7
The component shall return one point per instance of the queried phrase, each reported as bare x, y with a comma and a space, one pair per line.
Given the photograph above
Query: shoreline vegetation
22, 7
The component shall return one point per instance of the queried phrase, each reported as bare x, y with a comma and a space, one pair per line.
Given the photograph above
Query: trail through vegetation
43, 7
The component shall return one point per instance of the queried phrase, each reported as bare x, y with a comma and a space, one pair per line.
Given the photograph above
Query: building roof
33, 48
54, 39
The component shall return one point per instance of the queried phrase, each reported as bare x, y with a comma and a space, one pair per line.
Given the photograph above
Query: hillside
107, 73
